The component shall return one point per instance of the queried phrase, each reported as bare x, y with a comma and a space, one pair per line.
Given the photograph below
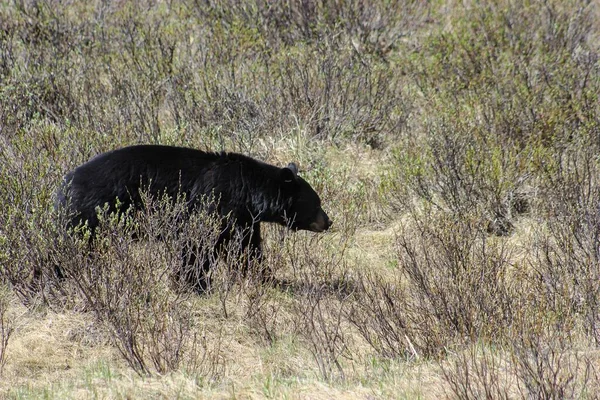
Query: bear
248, 192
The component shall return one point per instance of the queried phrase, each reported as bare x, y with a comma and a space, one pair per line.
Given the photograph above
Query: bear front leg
254, 256
255, 245
195, 268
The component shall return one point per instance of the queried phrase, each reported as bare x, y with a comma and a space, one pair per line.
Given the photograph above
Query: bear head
304, 210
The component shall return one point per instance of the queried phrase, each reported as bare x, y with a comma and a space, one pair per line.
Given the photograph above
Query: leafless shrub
264, 305
337, 103
27, 229
321, 324
549, 366
534, 365
262, 310
458, 272
538, 357
23, 265
479, 372
382, 316
323, 286
506, 108
231, 81
6, 324
335, 90
451, 286
566, 253
320, 309
467, 174
127, 275
376, 27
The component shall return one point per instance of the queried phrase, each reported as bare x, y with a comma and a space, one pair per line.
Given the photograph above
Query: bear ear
289, 173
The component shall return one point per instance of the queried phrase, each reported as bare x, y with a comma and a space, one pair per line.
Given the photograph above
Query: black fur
248, 191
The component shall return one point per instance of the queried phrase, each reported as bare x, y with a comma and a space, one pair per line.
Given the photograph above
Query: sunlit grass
455, 146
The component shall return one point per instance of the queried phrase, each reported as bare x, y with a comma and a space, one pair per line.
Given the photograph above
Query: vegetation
454, 145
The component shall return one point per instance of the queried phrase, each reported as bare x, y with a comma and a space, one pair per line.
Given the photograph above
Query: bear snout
322, 222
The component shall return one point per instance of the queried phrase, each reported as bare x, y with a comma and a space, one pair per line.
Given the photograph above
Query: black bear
248, 191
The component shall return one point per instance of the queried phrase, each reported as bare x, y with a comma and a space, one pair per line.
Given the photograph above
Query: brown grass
455, 146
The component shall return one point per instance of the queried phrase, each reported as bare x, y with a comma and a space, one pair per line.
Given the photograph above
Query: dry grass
455, 146
65, 355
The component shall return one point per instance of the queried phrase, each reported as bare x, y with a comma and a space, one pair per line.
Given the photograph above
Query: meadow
456, 146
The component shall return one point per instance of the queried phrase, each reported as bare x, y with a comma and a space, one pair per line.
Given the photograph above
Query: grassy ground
454, 144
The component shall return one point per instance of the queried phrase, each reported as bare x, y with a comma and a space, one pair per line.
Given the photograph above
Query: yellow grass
66, 355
